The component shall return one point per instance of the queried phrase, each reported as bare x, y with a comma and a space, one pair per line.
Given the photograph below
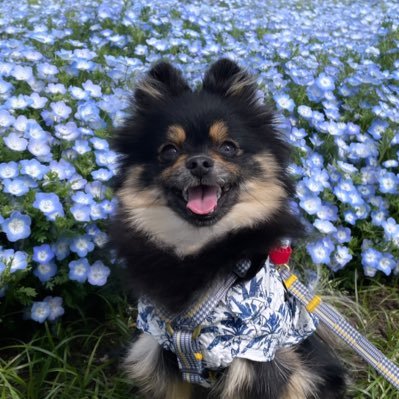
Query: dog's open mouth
203, 204
202, 199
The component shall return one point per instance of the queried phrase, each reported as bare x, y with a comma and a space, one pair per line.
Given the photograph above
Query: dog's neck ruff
252, 320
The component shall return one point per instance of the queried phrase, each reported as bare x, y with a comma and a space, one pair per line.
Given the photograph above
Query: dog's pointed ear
227, 79
162, 81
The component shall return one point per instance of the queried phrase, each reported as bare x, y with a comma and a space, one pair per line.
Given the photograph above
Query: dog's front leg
154, 372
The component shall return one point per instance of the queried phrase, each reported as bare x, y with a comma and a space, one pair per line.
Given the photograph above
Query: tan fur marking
142, 365
223, 164
179, 390
302, 383
239, 377
176, 134
147, 211
218, 132
149, 86
241, 80
175, 168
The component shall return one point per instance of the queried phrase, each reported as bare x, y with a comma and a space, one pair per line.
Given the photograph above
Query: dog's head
209, 161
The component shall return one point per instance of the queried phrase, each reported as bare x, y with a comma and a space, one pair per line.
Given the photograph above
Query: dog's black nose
199, 165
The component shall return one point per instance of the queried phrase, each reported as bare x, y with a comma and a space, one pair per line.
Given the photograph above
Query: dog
202, 185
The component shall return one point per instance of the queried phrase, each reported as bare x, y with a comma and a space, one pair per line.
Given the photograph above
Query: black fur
158, 270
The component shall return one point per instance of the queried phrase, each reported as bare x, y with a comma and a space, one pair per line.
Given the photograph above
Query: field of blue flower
66, 71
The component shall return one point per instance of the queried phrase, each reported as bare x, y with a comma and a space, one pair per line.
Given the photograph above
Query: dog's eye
228, 148
168, 152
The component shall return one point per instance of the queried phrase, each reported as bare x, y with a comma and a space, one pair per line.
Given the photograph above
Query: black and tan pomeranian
203, 185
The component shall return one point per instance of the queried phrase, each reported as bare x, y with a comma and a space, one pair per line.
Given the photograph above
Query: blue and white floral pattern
253, 320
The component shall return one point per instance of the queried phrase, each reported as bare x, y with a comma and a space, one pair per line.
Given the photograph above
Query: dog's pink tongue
202, 199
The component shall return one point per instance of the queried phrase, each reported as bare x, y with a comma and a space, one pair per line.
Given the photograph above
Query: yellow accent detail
290, 280
286, 266
197, 331
169, 328
313, 304
198, 355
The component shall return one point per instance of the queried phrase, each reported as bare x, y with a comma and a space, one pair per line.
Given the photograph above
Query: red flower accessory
280, 255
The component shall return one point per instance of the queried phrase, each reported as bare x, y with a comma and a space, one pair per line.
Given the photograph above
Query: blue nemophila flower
340, 258
6, 119
5, 87
102, 174
49, 204
98, 273
350, 217
82, 198
377, 128
106, 158
46, 71
16, 187
99, 144
64, 169
81, 245
19, 102
310, 204
89, 112
362, 150
325, 82
81, 146
33, 168
8, 170
39, 148
40, 311
342, 235
59, 108
77, 182
79, 270
305, 112
378, 217
324, 226
17, 226
320, 250
100, 239
386, 264
97, 211
14, 260
390, 163
78, 93
61, 248
109, 206
32, 130
328, 212
80, 212
15, 142
55, 305
96, 189
371, 257
93, 89
43, 253
388, 183
20, 72
283, 101
45, 271
391, 229
69, 131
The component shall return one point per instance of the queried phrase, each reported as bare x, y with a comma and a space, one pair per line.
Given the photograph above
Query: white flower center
17, 226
